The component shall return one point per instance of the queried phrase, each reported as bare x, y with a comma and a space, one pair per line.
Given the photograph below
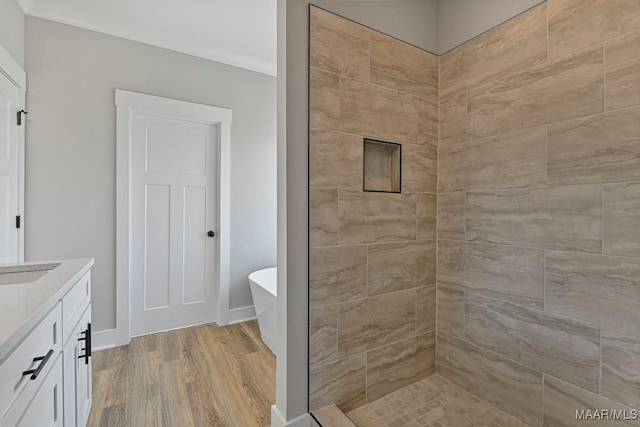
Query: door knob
211, 233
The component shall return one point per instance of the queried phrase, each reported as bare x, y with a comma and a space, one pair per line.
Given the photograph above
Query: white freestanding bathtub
264, 290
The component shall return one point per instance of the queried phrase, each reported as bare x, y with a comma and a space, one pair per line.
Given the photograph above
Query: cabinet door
46, 407
77, 375
83, 372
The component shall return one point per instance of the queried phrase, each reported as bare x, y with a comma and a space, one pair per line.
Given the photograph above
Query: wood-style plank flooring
201, 376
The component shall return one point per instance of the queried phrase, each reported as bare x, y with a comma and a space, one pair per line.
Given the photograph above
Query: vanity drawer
43, 341
74, 304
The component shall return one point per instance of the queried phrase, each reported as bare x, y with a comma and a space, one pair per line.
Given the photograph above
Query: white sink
12, 275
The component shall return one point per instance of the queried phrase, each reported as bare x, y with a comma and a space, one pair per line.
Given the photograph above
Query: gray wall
12, 29
70, 190
462, 20
412, 21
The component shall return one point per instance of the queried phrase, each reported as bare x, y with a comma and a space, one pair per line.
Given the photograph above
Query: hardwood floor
201, 376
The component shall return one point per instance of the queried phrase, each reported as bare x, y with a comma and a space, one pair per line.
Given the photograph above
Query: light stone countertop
23, 306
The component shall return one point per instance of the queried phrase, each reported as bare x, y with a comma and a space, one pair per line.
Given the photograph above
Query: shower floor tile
432, 402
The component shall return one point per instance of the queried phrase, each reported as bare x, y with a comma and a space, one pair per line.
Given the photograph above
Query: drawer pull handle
87, 344
43, 361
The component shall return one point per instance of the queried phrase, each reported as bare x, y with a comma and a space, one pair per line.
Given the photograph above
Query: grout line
510, 132
340, 359
544, 280
437, 233
542, 418
495, 190
604, 77
466, 196
415, 313
390, 242
504, 245
464, 316
377, 85
602, 219
466, 115
558, 316
600, 363
548, 34
546, 155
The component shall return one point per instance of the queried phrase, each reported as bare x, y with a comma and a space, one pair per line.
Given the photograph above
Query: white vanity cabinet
77, 373
46, 379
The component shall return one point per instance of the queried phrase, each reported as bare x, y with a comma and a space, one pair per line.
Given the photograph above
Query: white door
173, 199
8, 170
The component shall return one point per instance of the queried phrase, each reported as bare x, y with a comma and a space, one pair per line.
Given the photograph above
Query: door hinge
18, 221
20, 113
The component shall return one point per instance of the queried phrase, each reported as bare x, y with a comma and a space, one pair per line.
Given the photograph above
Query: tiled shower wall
538, 294
373, 255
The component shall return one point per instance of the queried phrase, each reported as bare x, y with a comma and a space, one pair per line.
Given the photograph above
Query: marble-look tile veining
565, 348
565, 89
598, 149
513, 160
509, 274
598, 289
451, 216
568, 218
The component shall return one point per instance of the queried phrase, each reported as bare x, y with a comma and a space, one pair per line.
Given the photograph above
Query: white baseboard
241, 314
103, 340
277, 420
110, 338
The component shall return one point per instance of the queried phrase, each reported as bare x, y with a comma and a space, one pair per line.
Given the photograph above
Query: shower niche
382, 169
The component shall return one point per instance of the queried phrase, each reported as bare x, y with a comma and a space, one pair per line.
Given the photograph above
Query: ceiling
243, 32
235, 32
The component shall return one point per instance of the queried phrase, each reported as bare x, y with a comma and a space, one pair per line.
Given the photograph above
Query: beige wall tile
508, 385
398, 266
324, 99
376, 217
599, 289
371, 322
506, 273
419, 169
335, 160
425, 309
398, 365
513, 46
576, 24
555, 218
323, 334
513, 160
622, 219
377, 112
450, 308
565, 348
453, 119
568, 88
561, 400
597, 149
427, 110
401, 66
338, 45
342, 383
451, 216
621, 367
622, 71
426, 216
337, 274
323, 210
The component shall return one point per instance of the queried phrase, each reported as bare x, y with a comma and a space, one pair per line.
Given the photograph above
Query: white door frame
129, 103
12, 70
